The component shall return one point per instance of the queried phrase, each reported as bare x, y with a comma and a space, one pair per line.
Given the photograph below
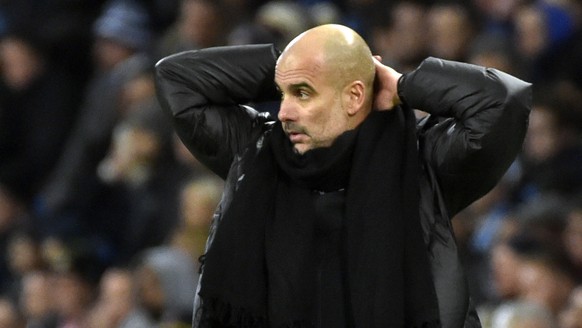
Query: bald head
341, 52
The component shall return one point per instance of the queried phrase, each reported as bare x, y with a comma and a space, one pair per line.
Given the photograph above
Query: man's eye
302, 94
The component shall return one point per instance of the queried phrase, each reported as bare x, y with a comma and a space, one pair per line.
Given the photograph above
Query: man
321, 223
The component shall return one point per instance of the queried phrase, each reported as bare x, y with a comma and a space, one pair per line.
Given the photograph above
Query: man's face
312, 110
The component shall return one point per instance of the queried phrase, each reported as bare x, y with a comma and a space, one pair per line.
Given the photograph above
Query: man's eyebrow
301, 85
295, 86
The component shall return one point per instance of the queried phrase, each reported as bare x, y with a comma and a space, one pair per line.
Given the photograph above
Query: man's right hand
385, 86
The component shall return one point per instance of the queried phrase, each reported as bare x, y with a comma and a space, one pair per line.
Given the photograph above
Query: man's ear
355, 97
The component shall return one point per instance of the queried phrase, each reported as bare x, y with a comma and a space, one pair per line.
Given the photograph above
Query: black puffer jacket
477, 122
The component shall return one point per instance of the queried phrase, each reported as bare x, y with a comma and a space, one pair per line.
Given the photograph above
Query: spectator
9, 315
497, 15
505, 264
450, 29
140, 162
13, 217
531, 39
357, 13
199, 24
250, 33
541, 28
547, 279
561, 63
571, 316
37, 110
573, 235
186, 160
552, 154
74, 199
544, 218
402, 40
493, 51
198, 201
138, 90
36, 301
24, 256
116, 306
166, 280
534, 270
285, 19
526, 267
74, 287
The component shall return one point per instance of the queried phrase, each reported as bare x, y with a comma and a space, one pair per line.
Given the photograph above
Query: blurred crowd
104, 213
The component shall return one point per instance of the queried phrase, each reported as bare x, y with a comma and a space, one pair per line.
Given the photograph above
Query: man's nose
286, 111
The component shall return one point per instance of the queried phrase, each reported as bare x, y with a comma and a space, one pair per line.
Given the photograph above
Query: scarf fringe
215, 313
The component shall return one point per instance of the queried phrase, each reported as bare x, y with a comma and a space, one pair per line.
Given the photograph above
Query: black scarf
259, 270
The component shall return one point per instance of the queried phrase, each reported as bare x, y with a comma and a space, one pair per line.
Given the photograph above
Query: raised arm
205, 92
477, 125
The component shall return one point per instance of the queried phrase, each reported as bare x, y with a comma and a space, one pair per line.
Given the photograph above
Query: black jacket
477, 122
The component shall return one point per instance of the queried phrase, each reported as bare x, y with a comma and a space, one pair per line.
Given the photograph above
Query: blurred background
104, 213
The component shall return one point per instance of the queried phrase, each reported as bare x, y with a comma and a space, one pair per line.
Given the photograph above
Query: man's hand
385, 86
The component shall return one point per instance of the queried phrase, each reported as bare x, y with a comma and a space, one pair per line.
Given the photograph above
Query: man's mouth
295, 133
296, 137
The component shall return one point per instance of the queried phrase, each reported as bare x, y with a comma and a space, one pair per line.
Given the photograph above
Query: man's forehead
296, 79
296, 64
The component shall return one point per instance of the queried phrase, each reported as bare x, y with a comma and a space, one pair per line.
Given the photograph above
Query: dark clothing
330, 292
151, 211
262, 267
34, 124
474, 111
73, 198
476, 128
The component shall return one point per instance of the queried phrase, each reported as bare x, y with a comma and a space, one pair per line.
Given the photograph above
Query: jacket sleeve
206, 92
480, 118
